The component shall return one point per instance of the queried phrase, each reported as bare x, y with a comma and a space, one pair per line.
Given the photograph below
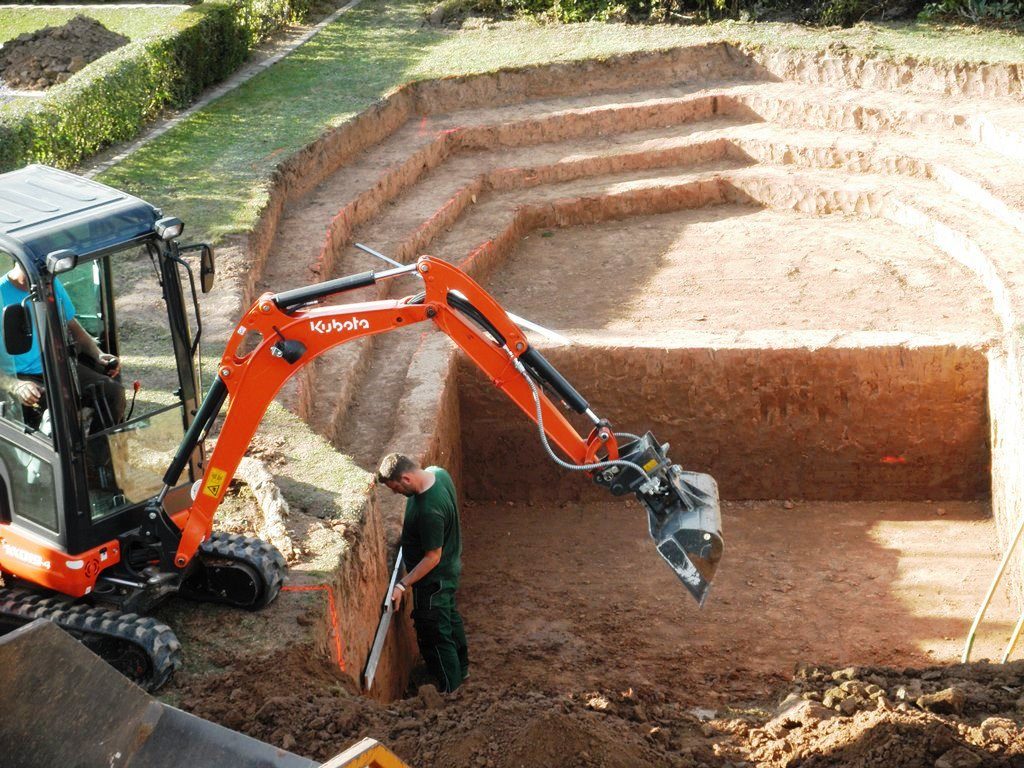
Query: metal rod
522, 322
991, 591
378, 254
401, 269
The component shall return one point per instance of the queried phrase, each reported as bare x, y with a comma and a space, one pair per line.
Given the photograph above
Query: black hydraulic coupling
546, 372
289, 350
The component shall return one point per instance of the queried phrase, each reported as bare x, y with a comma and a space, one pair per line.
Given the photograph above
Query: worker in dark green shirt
432, 550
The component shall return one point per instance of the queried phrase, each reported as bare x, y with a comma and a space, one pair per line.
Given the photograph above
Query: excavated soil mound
479, 725
37, 60
959, 716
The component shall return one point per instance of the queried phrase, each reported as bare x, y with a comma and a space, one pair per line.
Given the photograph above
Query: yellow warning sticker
652, 464
215, 483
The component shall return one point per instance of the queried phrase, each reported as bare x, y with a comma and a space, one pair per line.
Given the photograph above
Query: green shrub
210, 43
977, 11
109, 100
827, 12
844, 13
100, 2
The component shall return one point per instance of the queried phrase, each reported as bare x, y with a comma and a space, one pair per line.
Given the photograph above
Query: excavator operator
31, 389
432, 543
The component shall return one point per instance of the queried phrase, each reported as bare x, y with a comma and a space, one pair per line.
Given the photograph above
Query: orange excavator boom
293, 329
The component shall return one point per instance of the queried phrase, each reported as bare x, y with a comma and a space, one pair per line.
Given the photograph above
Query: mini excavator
103, 517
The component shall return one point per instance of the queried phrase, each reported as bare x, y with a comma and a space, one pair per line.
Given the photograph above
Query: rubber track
256, 553
155, 638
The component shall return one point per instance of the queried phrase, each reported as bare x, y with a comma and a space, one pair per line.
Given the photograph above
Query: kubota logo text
31, 558
337, 326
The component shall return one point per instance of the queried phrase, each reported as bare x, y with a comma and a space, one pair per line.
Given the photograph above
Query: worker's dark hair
393, 466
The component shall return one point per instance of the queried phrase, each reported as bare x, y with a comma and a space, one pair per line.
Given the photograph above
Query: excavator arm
293, 329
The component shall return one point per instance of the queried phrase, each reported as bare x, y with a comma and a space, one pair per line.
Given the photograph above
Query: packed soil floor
586, 650
728, 210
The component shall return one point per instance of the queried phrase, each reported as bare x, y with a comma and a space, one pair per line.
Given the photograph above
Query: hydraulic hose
547, 446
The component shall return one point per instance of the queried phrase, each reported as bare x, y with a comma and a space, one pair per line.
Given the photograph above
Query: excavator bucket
683, 513
688, 530
62, 705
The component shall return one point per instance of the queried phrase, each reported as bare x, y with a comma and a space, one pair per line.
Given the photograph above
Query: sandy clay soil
786, 211
586, 651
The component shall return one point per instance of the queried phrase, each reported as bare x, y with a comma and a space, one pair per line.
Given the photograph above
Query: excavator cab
98, 384
80, 462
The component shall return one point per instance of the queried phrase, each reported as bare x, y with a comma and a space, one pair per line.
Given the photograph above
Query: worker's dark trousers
440, 633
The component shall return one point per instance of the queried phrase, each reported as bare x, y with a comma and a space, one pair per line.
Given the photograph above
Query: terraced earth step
363, 429
299, 229
478, 226
867, 100
377, 395
995, 123
810, 190
393, 229
445, 183
781, 100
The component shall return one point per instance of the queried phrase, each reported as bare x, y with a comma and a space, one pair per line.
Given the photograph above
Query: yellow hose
988, 599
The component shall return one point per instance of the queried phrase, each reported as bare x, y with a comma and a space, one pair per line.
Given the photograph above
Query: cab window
136, 419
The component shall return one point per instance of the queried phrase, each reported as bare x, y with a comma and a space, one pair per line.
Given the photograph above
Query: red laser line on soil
893, 460
332, 608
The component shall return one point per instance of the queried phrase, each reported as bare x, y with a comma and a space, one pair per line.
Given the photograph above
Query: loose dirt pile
38, 60
958, 716
479, 725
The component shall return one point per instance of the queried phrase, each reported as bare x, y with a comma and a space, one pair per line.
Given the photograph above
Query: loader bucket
62, 705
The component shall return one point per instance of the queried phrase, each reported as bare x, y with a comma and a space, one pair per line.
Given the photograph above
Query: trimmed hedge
112, 98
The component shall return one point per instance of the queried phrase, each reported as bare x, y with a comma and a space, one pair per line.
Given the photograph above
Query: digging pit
797, 269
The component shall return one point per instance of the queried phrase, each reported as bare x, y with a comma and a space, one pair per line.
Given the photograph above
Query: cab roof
43, 209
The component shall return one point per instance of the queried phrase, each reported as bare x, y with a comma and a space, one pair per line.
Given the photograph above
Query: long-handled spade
387, 611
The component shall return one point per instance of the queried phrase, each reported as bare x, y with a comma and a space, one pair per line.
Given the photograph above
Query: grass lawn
134, 23
213, 169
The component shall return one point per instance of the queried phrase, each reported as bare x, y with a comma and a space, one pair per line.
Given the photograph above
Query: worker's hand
111, 365
396, 596
28, 392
